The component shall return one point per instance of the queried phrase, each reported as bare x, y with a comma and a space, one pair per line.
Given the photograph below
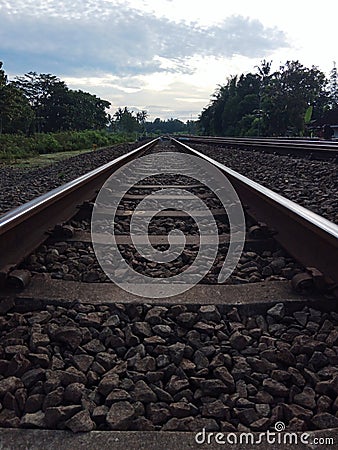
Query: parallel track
307, 148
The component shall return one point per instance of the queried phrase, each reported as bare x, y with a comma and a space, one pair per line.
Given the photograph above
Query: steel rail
308, 237
24, 228
286, 146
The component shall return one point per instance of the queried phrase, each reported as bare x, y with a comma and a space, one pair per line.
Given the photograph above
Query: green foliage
169, 126
265, 103
14, 146
308, 114
42, 103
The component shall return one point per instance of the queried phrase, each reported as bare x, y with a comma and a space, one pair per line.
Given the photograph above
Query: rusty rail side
308, 237
24, 228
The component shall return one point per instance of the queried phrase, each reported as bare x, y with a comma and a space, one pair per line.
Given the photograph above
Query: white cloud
166, 56
106, 36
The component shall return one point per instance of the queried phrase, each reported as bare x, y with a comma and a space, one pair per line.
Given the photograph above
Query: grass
43, 160
26, 149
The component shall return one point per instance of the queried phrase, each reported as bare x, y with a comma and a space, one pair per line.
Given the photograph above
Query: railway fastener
19, 278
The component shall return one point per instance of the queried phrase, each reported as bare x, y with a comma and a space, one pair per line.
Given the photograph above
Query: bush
16, 146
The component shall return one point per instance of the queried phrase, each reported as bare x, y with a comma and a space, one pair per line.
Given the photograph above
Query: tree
265, 103
57, 107
126, 121
333, 87
16, 114
141, 118
288, 94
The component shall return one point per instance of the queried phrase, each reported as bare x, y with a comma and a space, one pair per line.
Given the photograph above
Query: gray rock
108, 383
226, 377
34, 403
162, 330
39, 359
217, 410
73, 393
162, 394
275, 388
142, 329
318, 360
239, 341
36, 419
187, 319
324, 420
18, 365
72, 375
306, 398
145, 364
292, 411
261, 365
260, 424
38, 340
246, 416
120, 416
175, 424
182, 409
117, 395
31, 377
154, 315
200, 360
9, 419
143, 424
55, 415
100, 413
296, 424
176, 352
10, 384
80, 422
53, 398
210, 313
176, 384
143, 393
277, 311
94, 346
324, 404
158, 413
68, 335
213, 387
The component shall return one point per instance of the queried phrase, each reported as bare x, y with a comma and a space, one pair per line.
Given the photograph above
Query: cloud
105, 36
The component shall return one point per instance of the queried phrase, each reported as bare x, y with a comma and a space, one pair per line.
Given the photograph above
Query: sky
163, 56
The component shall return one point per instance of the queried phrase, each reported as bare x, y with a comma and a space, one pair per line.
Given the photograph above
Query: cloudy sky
165, 56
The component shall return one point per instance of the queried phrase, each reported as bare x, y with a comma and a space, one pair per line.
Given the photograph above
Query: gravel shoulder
20, 185
168, 368
312, 184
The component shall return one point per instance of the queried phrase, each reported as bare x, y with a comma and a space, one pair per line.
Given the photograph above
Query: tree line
287, 102
36, 103
126, 120
42, 103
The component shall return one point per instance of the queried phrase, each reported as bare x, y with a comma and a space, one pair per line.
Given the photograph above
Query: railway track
235, 352
306, 148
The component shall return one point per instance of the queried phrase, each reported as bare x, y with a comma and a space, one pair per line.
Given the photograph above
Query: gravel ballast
19, 185
312, 184
177, 368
